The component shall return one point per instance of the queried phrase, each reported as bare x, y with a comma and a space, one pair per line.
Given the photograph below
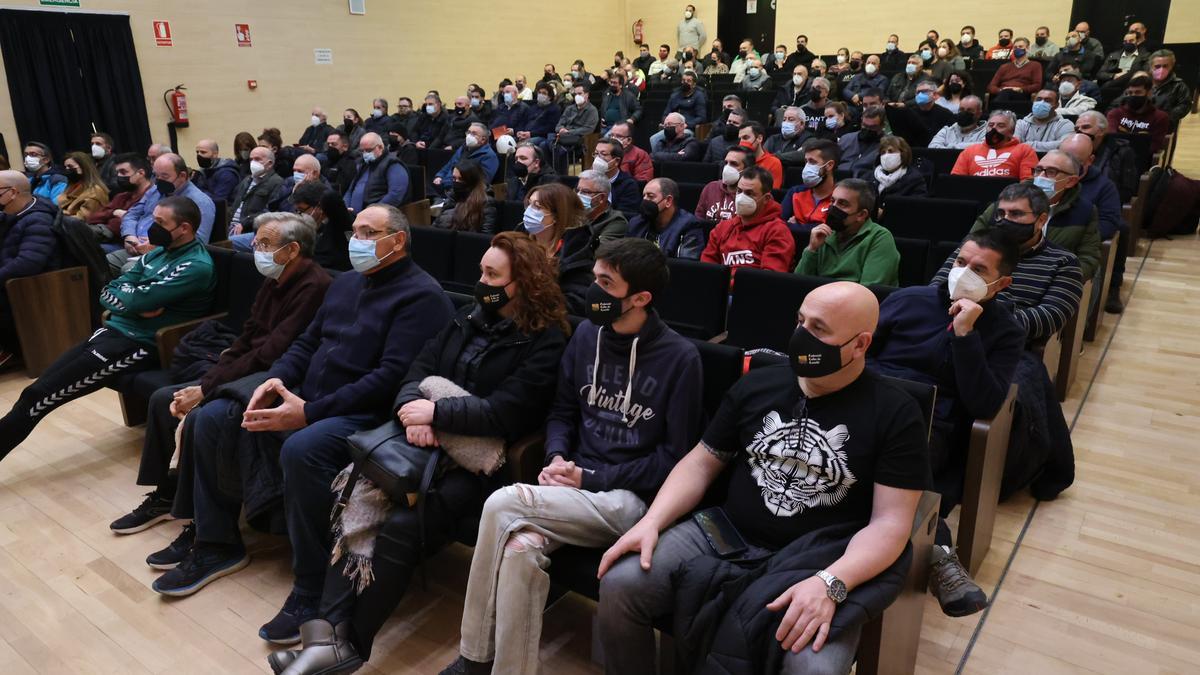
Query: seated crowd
818, 458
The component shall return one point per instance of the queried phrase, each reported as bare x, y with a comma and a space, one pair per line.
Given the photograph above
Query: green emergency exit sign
60, 3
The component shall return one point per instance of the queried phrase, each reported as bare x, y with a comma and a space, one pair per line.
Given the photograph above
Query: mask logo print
799, 465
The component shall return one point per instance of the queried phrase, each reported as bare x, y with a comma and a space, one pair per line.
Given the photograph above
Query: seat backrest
1140, 144
688, 172
695, 301
938, 252
436, 158
689, 196
510, 214
244, 282
943, 159
416, 182
222, 259
469, 247
1018, 108
433, 250
460, 300
763, 306
220, 221
982, 190
722, 368
924, 394
570, 181
929, 218
914, 260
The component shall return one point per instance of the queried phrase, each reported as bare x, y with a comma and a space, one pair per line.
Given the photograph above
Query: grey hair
396, 222
864, 192
482, 127
1039, 203
600, 180
1097, 118
295, 227
1007, 114
799, 112
821, 80
270, 152
1075, 164
972, 97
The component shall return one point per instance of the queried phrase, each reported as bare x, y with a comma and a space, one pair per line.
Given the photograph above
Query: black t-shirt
802, 464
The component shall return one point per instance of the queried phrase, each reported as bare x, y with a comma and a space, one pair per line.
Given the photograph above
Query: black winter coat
27, 242
512, 378
575, 261
431, 129
721, 613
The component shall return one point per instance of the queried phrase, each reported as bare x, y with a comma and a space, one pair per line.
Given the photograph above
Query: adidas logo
992, 160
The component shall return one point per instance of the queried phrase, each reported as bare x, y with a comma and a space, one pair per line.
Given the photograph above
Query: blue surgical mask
923, 98
430, 109
369, 157
587, 201
830, 122
788, 128
362, 254
508, 98
265, 262
1045, 184
1041, 109
911, 69
926, 54
534, 220
812, 174
297, 177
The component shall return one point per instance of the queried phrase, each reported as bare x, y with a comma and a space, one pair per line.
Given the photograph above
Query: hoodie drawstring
628, 387
595, 369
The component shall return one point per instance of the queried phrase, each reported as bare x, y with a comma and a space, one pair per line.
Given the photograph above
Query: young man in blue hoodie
628, 407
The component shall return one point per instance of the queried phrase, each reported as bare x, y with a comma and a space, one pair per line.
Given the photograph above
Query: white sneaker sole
189, 590
144, 526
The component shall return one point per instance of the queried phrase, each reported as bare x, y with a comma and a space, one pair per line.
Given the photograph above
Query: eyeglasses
1050, 172
265, 246
591, 193
1012, 214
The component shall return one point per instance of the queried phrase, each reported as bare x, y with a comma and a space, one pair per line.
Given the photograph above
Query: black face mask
742, 53
165, 187
670, 133
869, 135
204, 162
159, 236
965, 118
835, 218
954, 88
603, 308
614, 89
460, 111
490, 298
810, 357
1040, 40
333, 155
1018, 232
1135, 102
994, 138
74, 177
124, 184
649, 211
349, 124
730, 133
460, 190
1004, 42
520, 170
855, 64
1129, 47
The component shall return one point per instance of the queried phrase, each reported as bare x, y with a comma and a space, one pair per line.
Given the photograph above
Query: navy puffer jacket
28, 245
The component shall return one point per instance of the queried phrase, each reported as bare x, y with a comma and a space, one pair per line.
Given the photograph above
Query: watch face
837, 591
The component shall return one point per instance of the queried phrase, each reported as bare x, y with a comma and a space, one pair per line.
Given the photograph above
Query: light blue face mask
923, 98
508, 98
830, 122
265, 262
587, 201
788, 129
534, 220
911, 69
1042, 109
298, 177
1046, 184
362, 253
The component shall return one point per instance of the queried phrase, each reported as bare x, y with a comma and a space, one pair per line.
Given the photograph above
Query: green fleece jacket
869, 257
1074, 225
179, 282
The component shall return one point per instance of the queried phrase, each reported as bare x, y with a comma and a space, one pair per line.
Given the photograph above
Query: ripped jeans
521, 525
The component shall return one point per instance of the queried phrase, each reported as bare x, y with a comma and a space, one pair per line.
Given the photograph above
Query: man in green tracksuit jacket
170, 284
849, 246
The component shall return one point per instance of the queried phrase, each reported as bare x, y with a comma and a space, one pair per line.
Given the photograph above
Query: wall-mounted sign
323, 57
242, 30
162, 34
60, 3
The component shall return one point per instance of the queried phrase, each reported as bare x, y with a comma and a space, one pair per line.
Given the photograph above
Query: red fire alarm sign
253, 84
162, 34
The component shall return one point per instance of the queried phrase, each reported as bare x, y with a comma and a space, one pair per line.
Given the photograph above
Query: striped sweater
179, 281
1045, 291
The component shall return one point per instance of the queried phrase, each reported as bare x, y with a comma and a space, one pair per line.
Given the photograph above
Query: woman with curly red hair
504, 351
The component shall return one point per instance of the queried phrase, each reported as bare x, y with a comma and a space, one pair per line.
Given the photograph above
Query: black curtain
67, 71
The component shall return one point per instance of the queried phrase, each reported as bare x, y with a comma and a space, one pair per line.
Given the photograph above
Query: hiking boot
281, 659
952, 585
173, 554
327, 650
1114, 305
284, 629
154, 510
202, 566
464, 666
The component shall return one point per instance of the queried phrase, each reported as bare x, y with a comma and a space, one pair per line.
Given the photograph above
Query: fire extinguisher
176, 102
638, 36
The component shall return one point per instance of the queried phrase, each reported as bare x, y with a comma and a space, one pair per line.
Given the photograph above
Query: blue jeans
243, 242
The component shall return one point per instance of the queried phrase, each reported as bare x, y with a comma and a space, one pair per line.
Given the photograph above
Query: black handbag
384, 456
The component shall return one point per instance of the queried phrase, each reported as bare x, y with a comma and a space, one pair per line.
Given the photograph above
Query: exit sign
60, 3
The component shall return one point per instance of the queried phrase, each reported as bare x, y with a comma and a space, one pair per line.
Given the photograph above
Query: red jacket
765, 242
637, 163
1028, 77
1014, 159
104, 215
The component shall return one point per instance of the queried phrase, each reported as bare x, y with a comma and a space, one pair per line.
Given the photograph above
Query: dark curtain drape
67, 71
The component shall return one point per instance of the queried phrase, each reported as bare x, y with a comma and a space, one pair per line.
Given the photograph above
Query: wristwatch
834, 587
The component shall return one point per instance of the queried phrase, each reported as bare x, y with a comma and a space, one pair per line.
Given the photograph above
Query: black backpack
78, 248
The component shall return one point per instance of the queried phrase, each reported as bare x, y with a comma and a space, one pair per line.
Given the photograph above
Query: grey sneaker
952, 585
327, 650
281, 659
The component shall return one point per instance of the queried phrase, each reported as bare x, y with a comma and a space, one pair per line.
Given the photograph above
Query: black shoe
952, 585
172, 555
284, 629
463, 666
154, 510
1114, 305
202, 566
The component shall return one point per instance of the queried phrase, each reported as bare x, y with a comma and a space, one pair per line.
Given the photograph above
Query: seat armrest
168, 337
719, 338
524, 458
986, 453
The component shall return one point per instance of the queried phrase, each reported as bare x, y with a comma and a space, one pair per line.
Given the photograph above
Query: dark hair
468, 214
668, 187
875, 112
242, 141
618, 151
43, 147
1140, 80
863, 191
1039, 204
273, 138
745, 152
640, 262
89, 175
309, 192
135, 161
967, 82
898, 144
183, 210
540, 303
666, 47
764, 177
1002, 243
871, 91
105, 137
755, 127
828, 149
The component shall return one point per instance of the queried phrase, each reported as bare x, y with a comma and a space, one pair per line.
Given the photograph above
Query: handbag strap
426, 483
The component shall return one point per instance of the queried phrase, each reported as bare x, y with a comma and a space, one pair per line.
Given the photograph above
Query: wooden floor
1106, 579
